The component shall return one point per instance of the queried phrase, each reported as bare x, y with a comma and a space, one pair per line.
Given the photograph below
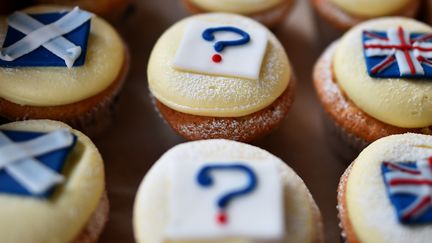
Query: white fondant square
195, 53
193, 208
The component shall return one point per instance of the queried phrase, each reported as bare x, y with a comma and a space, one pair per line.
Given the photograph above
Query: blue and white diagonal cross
48, 36
19, 162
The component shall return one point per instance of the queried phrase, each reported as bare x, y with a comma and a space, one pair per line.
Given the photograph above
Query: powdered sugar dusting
233, 129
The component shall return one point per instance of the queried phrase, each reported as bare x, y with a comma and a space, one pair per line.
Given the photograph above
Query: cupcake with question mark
224, 191
220, 76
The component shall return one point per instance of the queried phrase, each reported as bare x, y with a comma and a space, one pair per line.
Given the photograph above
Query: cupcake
373, 83
384, 196
336, 16
73, 75
110, 9
220, 75
224, 191
52, 186
268, 12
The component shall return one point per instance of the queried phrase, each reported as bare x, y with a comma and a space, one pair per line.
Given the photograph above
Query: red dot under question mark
217, 58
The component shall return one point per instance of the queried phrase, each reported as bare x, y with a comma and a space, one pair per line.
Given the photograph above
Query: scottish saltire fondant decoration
398, 53
219, 49
30, 162
218, 200
47, 39
409, 186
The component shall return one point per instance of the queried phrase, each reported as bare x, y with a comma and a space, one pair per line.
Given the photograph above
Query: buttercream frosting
151, 209
401, 102
52, 86
371, 8
210, 95
369, 209
236, 6
62, 217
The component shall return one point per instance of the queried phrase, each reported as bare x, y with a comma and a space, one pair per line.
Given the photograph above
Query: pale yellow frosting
236, 6
397, 101
370, 212
62, 217
51, 86
217, 96
371, 8
302, 224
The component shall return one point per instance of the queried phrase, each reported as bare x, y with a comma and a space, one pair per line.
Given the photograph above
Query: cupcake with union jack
385, 195
377, 81
52, 184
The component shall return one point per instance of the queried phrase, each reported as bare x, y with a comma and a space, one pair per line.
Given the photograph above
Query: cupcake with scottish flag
52, 185
60, 63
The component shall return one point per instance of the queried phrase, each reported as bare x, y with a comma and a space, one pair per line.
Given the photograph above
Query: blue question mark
219, 46
205, 180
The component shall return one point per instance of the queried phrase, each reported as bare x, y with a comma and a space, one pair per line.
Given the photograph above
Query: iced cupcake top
383, 66
371, 8
236, 6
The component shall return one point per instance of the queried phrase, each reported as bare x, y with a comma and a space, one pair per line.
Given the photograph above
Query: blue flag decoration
41, 56
409, 187
398, 54
52, 161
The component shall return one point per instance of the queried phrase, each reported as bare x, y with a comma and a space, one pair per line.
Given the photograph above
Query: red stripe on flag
430, 162
383, 64
396, 182
405, 51
400, 168
424, 203
422, 38
373, 35
398, 47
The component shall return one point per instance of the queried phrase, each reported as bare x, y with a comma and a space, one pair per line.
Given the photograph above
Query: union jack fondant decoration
398, 53
409, 185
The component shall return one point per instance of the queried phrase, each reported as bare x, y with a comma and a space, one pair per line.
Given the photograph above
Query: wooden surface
138, 137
